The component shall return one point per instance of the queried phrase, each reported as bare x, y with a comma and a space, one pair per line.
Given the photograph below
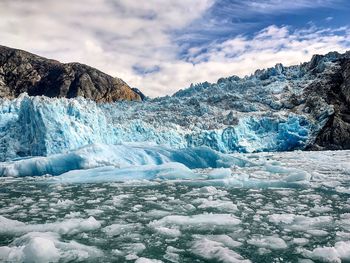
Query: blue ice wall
39, 126
257, 134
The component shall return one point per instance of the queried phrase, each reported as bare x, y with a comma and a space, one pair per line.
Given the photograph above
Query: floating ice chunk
41, 250
118, 229
235, 182
68, 226
11, 254
317, 232
170, 232
301, 223
172, 254
337, 254
270, 242
46, 247
281, 218
341, 235
213, 250
305, 260
207, 191
343, 249
167, 171
226, 240
201, 221
8, 224
155, 214
300, 241
134, 248
298, 176
119, 156
219, 173
221, 205
279, 169
147, 260
64, 203
321, 209
343, 190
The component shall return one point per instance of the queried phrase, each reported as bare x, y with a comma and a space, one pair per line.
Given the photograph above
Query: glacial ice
66, 227
269, 242
147, 260
175, 223
42, 247
217, 251
36, 126
337, 254
192, 166
120, 163
250, 114
110, 158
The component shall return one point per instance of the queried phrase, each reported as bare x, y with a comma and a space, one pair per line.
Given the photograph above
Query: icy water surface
184, 221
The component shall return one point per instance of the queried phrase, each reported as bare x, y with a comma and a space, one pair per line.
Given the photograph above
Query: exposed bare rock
21, 72
335, 90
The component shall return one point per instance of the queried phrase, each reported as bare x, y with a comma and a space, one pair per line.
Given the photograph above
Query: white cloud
242, 55
116, 35
269, 6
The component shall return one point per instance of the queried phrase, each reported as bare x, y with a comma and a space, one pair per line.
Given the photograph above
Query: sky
161, 46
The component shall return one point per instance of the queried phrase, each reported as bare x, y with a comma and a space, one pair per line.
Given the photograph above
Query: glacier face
39, 126
266, 111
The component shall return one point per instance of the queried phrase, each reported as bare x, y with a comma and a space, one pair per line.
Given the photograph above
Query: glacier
266, 111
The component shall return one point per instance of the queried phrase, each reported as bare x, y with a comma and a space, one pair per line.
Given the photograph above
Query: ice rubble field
154, 205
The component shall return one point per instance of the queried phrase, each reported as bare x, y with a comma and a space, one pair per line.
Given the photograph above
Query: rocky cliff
334, 89
21, 72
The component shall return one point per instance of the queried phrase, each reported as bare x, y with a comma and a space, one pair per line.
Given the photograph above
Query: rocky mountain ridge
23, 72
335, 91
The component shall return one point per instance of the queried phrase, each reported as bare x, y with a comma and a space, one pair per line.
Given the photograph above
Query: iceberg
114, 157
197, 166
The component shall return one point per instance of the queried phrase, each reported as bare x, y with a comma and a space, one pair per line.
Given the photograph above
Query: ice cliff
277, 109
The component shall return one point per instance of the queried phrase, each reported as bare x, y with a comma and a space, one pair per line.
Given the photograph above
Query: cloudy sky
161, 46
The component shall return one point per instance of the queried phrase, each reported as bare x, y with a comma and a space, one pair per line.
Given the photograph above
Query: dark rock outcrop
21, 72
334, 89
139, 92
